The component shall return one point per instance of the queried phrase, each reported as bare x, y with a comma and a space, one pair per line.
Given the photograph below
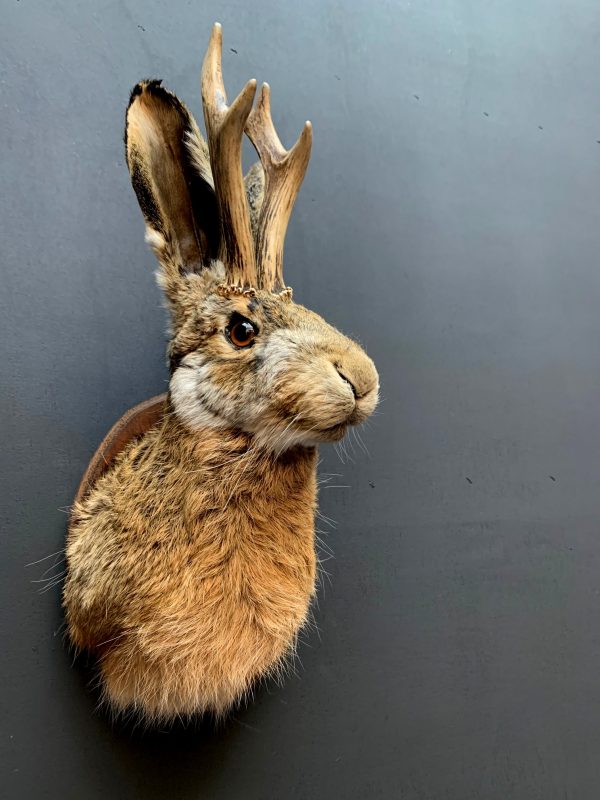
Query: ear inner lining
163, 145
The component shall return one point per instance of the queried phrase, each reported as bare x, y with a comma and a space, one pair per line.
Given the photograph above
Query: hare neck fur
196, 549
224, 471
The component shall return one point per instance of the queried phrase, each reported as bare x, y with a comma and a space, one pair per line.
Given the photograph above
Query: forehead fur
202, 308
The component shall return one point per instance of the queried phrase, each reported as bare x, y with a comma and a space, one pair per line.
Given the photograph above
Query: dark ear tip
155, 94
154, 88
150, 85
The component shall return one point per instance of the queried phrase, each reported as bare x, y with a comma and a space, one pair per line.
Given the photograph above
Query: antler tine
284, 172
225, 129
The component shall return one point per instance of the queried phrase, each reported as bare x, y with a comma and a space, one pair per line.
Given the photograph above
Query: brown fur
191, 562
191, 568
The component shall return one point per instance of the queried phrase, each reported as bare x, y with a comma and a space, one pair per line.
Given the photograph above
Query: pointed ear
170, 172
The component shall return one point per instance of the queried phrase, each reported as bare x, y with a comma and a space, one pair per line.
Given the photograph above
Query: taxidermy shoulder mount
190, 552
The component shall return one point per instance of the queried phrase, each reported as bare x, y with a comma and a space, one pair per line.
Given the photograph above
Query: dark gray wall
450, 221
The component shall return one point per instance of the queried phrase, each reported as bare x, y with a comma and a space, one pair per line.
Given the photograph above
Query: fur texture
191, 568
191, 562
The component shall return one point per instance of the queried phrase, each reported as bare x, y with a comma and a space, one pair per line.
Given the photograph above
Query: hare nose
347, 380
358, 371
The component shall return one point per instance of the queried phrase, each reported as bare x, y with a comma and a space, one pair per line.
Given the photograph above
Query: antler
225, 129
284, 173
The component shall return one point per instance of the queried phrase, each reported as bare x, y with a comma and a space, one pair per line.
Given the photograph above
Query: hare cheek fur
191, 561
301, 383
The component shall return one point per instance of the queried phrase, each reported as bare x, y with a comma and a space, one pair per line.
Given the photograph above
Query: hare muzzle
358, 384
360, 375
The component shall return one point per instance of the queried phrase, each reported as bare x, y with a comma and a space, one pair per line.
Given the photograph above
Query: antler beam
258, 260
225, 129
284, 173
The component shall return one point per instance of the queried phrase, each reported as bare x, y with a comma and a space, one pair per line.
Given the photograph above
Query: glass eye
241, 332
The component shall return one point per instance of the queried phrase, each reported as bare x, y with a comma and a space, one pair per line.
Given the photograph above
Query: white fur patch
155, 239
281, 438
187, 403
282, 345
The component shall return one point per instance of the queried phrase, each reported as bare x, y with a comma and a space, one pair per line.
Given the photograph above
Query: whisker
361, 443
45, 558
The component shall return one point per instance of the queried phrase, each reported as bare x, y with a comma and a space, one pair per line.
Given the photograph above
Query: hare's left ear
170, 172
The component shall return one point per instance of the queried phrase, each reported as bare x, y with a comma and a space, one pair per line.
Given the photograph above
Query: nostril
349, 382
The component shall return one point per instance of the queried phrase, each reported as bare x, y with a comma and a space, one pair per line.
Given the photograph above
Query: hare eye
241, 331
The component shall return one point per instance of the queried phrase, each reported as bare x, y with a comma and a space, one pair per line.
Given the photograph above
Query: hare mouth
334, 433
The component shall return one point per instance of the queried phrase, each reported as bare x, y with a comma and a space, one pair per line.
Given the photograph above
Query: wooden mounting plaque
133, 424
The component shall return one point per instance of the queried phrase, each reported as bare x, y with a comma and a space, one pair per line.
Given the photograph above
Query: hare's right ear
170, 171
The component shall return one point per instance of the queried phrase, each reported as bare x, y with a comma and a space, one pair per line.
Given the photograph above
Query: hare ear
170, 171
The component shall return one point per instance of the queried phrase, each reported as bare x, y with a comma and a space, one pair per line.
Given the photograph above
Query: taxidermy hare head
191, 561
242, 354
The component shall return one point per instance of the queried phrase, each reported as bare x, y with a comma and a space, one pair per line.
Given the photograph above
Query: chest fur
217, 525
196, 552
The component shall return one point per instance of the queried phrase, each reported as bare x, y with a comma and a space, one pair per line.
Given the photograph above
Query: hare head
242, 354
